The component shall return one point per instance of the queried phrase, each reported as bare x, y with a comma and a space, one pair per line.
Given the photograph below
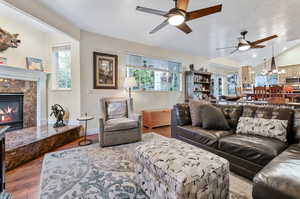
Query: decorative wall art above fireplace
8, 40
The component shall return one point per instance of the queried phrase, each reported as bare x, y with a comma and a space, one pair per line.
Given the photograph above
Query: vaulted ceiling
118, 18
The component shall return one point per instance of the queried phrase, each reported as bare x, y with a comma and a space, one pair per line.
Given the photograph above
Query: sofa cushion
249, 110
272, 128
182, 112
195, 110
296, 126
232, 114
120, 124
257, 149
213, 118
202, 136
281, 177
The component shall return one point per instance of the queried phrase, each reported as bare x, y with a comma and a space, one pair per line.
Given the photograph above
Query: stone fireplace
23, 101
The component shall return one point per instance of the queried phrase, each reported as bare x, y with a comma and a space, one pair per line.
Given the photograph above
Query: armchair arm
101, 131
135, 116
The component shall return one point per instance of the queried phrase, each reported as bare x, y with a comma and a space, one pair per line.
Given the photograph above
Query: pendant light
274, 70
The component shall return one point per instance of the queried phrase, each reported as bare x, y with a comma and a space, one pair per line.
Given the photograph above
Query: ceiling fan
178, 16
244, 44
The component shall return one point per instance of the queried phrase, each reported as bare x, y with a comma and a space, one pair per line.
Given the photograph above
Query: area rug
92, 172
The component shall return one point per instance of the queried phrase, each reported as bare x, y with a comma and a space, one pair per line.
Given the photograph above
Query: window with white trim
61, 59
154, 74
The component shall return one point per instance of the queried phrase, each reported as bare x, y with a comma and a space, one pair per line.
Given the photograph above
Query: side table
85, 141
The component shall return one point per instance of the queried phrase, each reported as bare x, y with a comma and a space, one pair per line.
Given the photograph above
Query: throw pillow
232, 114
195, 110
272, 128
182, 112
213, 118
116, 109
281, 113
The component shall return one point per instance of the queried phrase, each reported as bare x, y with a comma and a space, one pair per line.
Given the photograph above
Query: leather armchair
118, 125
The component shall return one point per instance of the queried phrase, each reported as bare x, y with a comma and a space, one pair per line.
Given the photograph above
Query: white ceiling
118, 18
21, 17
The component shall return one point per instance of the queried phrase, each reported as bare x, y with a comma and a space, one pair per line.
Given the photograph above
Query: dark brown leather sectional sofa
274, 166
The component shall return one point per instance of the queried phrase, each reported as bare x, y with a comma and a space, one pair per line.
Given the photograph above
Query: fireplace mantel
30, 75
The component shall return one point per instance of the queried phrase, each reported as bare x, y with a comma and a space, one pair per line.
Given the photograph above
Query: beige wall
70, 99
90, 97
32, 43
36, 43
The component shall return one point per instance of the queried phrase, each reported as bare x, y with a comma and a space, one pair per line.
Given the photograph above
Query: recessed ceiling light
254, 55
284, 48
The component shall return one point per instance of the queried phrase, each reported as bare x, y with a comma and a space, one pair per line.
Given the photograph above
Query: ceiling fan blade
160, 26
255, 43
258, 46
185, 28
234, 51
203, 12
151, 11
226, 48
182, 4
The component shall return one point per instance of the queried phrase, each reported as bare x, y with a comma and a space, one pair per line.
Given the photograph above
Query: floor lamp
130, 83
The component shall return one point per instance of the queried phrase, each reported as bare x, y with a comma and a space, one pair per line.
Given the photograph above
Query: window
232, 82
61, 56
266, 80
154, 74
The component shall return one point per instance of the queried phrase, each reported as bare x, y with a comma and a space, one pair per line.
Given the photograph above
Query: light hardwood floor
23, 182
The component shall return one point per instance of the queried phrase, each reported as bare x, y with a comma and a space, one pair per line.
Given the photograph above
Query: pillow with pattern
182, 112
273, 128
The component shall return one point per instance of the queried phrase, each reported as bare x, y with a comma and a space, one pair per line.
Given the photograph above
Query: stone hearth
27, 144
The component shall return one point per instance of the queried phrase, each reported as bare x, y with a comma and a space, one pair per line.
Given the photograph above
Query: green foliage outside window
63, 69
159, 76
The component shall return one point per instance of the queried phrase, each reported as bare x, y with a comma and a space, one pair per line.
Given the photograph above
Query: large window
266, 80
61, 56
154, 74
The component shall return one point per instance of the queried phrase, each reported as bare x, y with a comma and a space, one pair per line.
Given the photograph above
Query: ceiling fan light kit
178, 16
244, 47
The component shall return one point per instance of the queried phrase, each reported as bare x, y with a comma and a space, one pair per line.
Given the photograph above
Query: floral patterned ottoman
172, 169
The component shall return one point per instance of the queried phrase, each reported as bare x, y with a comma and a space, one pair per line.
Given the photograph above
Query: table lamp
130, 83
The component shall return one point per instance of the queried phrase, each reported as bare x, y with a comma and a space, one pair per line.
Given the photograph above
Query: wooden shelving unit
197, 85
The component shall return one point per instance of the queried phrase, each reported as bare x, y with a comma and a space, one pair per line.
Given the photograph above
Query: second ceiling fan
179, 15
244, 44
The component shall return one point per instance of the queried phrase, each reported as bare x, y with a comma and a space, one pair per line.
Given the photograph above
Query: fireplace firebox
11, 110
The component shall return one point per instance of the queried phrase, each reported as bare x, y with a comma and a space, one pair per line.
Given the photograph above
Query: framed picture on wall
34, 64
105, 71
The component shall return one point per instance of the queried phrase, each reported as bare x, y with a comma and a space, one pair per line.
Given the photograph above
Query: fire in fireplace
11, 110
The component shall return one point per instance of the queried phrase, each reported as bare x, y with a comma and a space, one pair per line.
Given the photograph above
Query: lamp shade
130, 82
